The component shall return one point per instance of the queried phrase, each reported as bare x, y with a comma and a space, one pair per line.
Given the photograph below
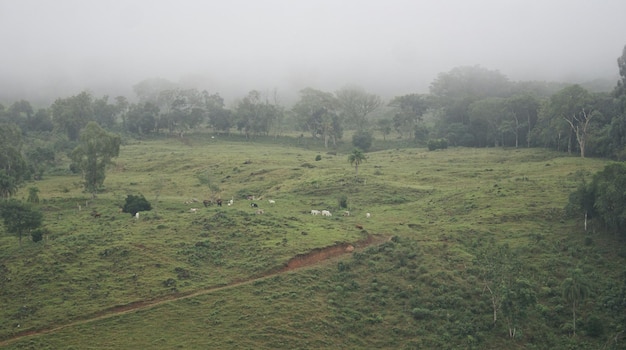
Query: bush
437, 144
136, 204
318, 158
362, 140
343, 201
37, 235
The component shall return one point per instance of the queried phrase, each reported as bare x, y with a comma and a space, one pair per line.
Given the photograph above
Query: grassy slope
422, 290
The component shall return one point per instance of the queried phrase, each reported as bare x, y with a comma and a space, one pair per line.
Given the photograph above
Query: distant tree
384, 126
408, 111
72, 114
8, 185
362, 140
355, 104
524, 108
33, 196
20, 218
575, 290
142, 118
356, 158
39, 122
104, 112
93, 153
135, 204
518, 297
485, 120
11, 160
608, 187
315, 112
454, 91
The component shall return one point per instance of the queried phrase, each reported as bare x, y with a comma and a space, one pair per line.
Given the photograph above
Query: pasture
419, 286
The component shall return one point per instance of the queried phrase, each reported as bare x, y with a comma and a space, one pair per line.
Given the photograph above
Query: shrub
37, 235
362, 140
437, 144
318, 157
343, 201
136, 204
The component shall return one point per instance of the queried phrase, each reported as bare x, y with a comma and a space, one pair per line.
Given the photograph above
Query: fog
58, 48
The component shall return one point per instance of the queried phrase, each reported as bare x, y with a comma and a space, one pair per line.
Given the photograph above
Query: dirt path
315, 257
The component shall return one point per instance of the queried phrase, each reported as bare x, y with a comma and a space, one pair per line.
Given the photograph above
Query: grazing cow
206, 202
259, 212
315, 212
193, 210
250, 197
368, 215
230, 202
326, 213
137, 215
360, 227
254, 205
271, 201
219, 202
346, 213
95, 214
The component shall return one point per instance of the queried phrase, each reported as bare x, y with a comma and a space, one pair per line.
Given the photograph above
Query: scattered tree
135, 204
20, 218
94, 152
355, 158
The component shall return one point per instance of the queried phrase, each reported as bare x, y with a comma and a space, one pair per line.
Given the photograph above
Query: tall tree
409, 112
523, 109
11, 160
20, 218
72, 114
355, 104
315, 112
575, 290
93, 153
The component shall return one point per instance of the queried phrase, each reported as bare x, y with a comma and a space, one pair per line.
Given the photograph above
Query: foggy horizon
390, 48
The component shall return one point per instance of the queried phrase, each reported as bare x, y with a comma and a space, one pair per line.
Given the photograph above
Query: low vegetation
475, 250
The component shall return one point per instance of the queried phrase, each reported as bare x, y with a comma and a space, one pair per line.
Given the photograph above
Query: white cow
193, 210
368, 215
315, 212
271, 201
137, 215
326, 213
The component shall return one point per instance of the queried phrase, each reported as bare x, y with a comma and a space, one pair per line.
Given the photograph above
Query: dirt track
314, 257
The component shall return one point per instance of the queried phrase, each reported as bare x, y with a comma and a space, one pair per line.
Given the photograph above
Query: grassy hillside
449, 221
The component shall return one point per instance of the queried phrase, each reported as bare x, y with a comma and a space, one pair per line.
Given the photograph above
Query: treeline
467, 106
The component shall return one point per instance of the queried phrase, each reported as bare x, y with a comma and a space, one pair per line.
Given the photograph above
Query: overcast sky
388, 47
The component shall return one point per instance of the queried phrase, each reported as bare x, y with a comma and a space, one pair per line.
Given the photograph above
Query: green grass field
422, 288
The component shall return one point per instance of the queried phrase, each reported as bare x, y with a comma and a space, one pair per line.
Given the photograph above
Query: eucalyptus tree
523, 110
565, 119
94, 152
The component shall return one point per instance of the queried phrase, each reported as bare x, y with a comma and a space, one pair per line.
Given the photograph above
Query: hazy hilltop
389, 48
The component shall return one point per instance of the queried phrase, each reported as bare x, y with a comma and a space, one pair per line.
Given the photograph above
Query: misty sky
388, 47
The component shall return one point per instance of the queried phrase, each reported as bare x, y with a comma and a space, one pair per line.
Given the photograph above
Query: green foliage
33, 196
318, 157
136, 203
603, 197
437, 144
362, 140
8, 185
94, 152
20, 218
575, 289
343, 201
356, 158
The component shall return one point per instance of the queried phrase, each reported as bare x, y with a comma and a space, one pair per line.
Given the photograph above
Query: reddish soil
314, 257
